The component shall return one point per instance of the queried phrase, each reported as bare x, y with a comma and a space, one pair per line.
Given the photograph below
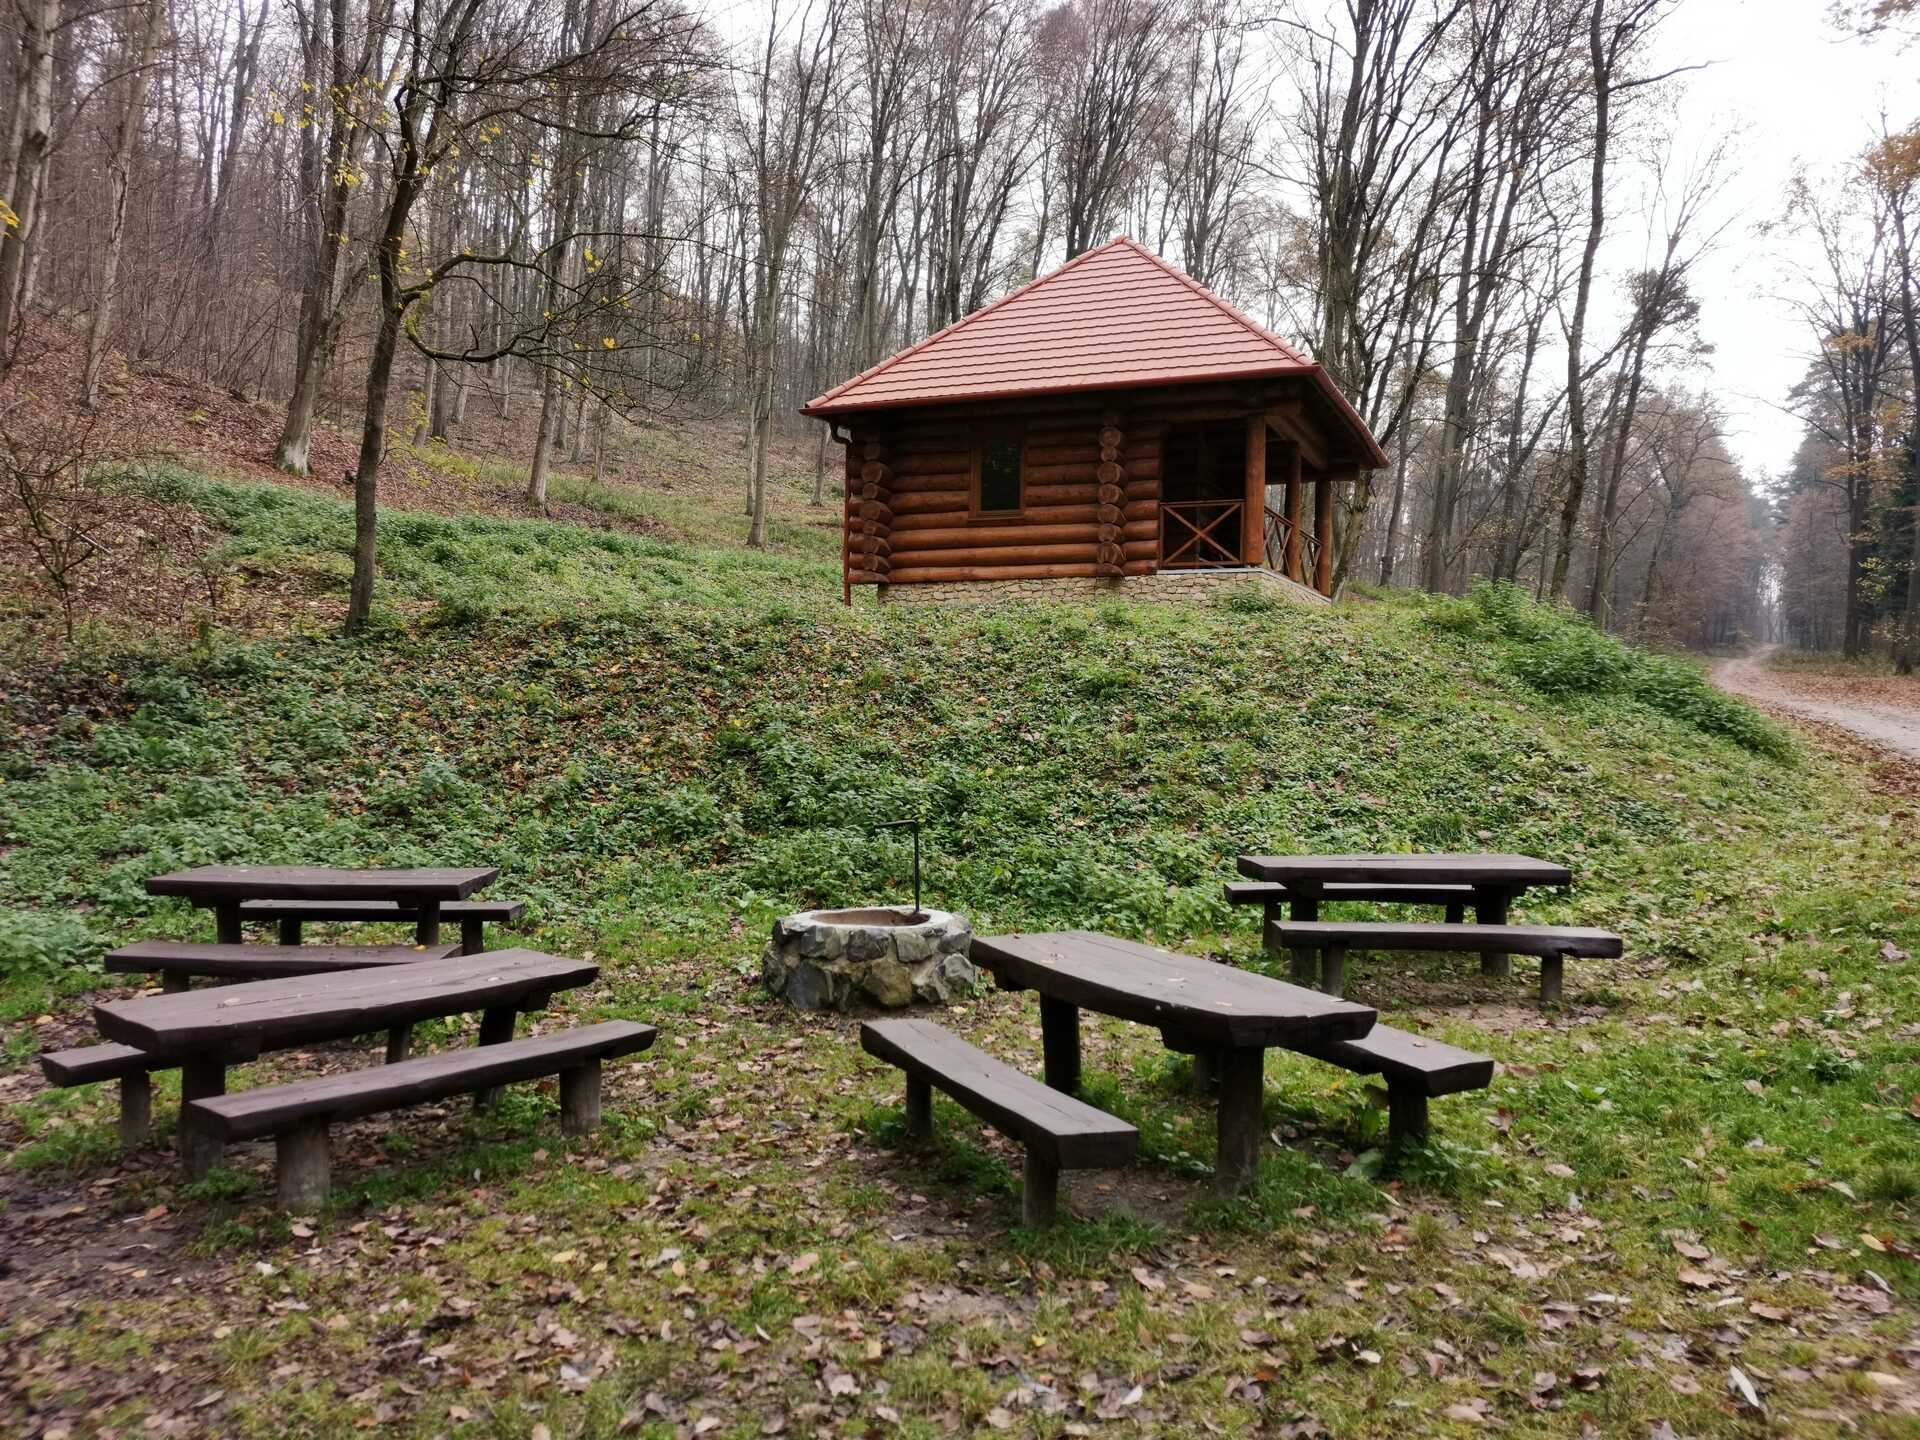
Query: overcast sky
1789, 89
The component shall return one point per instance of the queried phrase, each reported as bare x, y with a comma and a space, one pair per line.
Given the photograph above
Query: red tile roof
1116, 316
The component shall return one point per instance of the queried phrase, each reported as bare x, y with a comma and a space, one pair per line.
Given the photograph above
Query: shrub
1559, 653
35, 943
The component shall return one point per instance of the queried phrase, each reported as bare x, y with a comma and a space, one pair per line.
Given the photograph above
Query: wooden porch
1257, 517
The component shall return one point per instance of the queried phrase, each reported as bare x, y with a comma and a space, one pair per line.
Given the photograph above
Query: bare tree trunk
32, 129
119, 182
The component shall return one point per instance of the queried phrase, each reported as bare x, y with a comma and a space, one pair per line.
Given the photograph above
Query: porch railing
1200, 534
1278, 528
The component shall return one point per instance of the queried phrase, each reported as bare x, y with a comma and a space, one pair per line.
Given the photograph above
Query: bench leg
136, 1109
426, 923
289, 930
1456, 914
302, 1166
172, 983
399, 1043
1060, 1044
1302, 967
1039, 1192
199, 1080
1552, 968
473, 936
496, 1028
1333, 970
1490, 908
580, 1099
226, 923
1304, 908
1240, 1127
919, 1108
1406, 1114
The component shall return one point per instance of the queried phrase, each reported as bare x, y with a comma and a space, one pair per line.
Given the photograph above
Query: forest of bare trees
380, 214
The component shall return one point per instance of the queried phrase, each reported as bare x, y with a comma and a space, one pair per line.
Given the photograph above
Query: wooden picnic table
224, 888
1495, 879
1200, 1009
205, 1031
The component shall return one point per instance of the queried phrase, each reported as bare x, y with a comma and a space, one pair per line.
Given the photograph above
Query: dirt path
1883, 713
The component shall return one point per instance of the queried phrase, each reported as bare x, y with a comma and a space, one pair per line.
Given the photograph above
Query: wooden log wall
1090, 493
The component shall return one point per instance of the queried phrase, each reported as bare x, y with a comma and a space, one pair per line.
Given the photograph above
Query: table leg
496, 1028
1060, 1043
473, 935
426, 923
1241, 1126
289, 930
1333, 970
199, 1080
1490, 908
226, 922
172, 982
1206, 1072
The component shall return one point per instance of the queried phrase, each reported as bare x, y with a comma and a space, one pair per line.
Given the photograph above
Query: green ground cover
1704, 1164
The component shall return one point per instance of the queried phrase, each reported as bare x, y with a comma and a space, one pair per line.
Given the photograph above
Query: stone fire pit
828, 959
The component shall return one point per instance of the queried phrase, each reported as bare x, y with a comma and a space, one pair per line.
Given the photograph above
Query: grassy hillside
663, 743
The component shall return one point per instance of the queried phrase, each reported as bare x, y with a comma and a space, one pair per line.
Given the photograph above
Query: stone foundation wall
1178, 586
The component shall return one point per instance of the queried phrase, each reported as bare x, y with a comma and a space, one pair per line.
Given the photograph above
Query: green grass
665, 744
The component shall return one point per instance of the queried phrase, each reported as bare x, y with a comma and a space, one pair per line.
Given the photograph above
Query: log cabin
1112, 426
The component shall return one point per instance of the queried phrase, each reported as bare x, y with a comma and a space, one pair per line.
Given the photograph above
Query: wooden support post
496, 1028
1240, 1124
172, 982
1060, 1044
399, 1043
1323, 533
1294, 570
1490, 908
919, 1108
1456, 914
1110, 560
1406, 1114
1206, 1073
226, 922
289, 930
426, 923
1039, 1192
1302, 967
580, 1098
473, 935
199, 1080
1552, 968
1253, 516
136, 1109
1333, 970
302, 1167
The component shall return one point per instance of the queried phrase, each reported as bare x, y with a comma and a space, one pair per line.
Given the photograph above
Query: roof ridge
1194, 285
964, 321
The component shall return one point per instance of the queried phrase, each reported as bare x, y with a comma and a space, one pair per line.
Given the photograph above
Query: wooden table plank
1510, 872
1217, 1006
1226, 1017
225, 887
205, 884
239, 1021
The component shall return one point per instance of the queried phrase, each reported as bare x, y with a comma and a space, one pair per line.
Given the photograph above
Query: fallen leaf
1698, 1279
801, 1264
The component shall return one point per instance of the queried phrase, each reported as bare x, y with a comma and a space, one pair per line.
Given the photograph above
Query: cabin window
996, 475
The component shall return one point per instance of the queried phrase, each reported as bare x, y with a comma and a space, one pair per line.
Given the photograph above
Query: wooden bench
298, 1114
1416, 1069
1058, 1131
91, 1064
1273, 894
177, 962
1551, 943
473, 915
